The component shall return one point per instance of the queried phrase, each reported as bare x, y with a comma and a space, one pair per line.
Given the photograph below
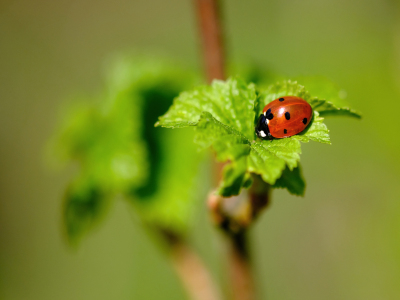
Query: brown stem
210, 27
237, 213
211, 35
241, 274
234, 215
192, 273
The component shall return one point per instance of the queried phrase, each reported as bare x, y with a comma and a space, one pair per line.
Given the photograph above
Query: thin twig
235, 215
211, 33
240, 268
192, 272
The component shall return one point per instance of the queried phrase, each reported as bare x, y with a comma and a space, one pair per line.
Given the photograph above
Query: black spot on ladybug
281, 99
270, 116
268, 112
287, 115
284, 131
305, 121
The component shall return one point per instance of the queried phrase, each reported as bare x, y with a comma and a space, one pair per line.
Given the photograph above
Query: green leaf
316, 131
177, 189
119, 151
230, 102
228, 142
105, 146
224, 115
322, 88
84, 205
292, 180
269, 158
332, 106
234, 177
327, 108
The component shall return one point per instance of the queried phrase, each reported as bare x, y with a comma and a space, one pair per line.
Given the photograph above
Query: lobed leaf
292, 180
230, 103
213, 110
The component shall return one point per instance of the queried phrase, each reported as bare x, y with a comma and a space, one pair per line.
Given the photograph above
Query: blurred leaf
253, 71
167, 199
224, 115
292, 180
119, 150
84, 205
105, 145
177, 188
323, 88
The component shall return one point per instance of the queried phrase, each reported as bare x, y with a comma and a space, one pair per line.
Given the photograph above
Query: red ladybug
284, 117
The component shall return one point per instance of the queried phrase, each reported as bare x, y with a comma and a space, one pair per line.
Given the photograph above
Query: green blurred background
341, 241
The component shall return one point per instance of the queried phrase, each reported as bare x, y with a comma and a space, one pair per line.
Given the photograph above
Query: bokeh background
341, 241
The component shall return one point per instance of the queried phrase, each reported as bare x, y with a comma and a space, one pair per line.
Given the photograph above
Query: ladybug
284, 117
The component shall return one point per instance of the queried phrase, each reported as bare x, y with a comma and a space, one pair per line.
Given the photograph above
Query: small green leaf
292, 180
234, 177
84, 205
224, 115
327, 108
322, 88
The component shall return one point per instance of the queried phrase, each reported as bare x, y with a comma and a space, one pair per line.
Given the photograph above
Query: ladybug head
262, 129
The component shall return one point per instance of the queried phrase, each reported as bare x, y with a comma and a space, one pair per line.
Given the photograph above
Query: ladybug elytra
284, 117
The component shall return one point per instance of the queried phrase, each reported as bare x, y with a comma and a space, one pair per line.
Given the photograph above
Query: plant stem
235, 215
192, 273
241, 273
211, 35
230, 213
